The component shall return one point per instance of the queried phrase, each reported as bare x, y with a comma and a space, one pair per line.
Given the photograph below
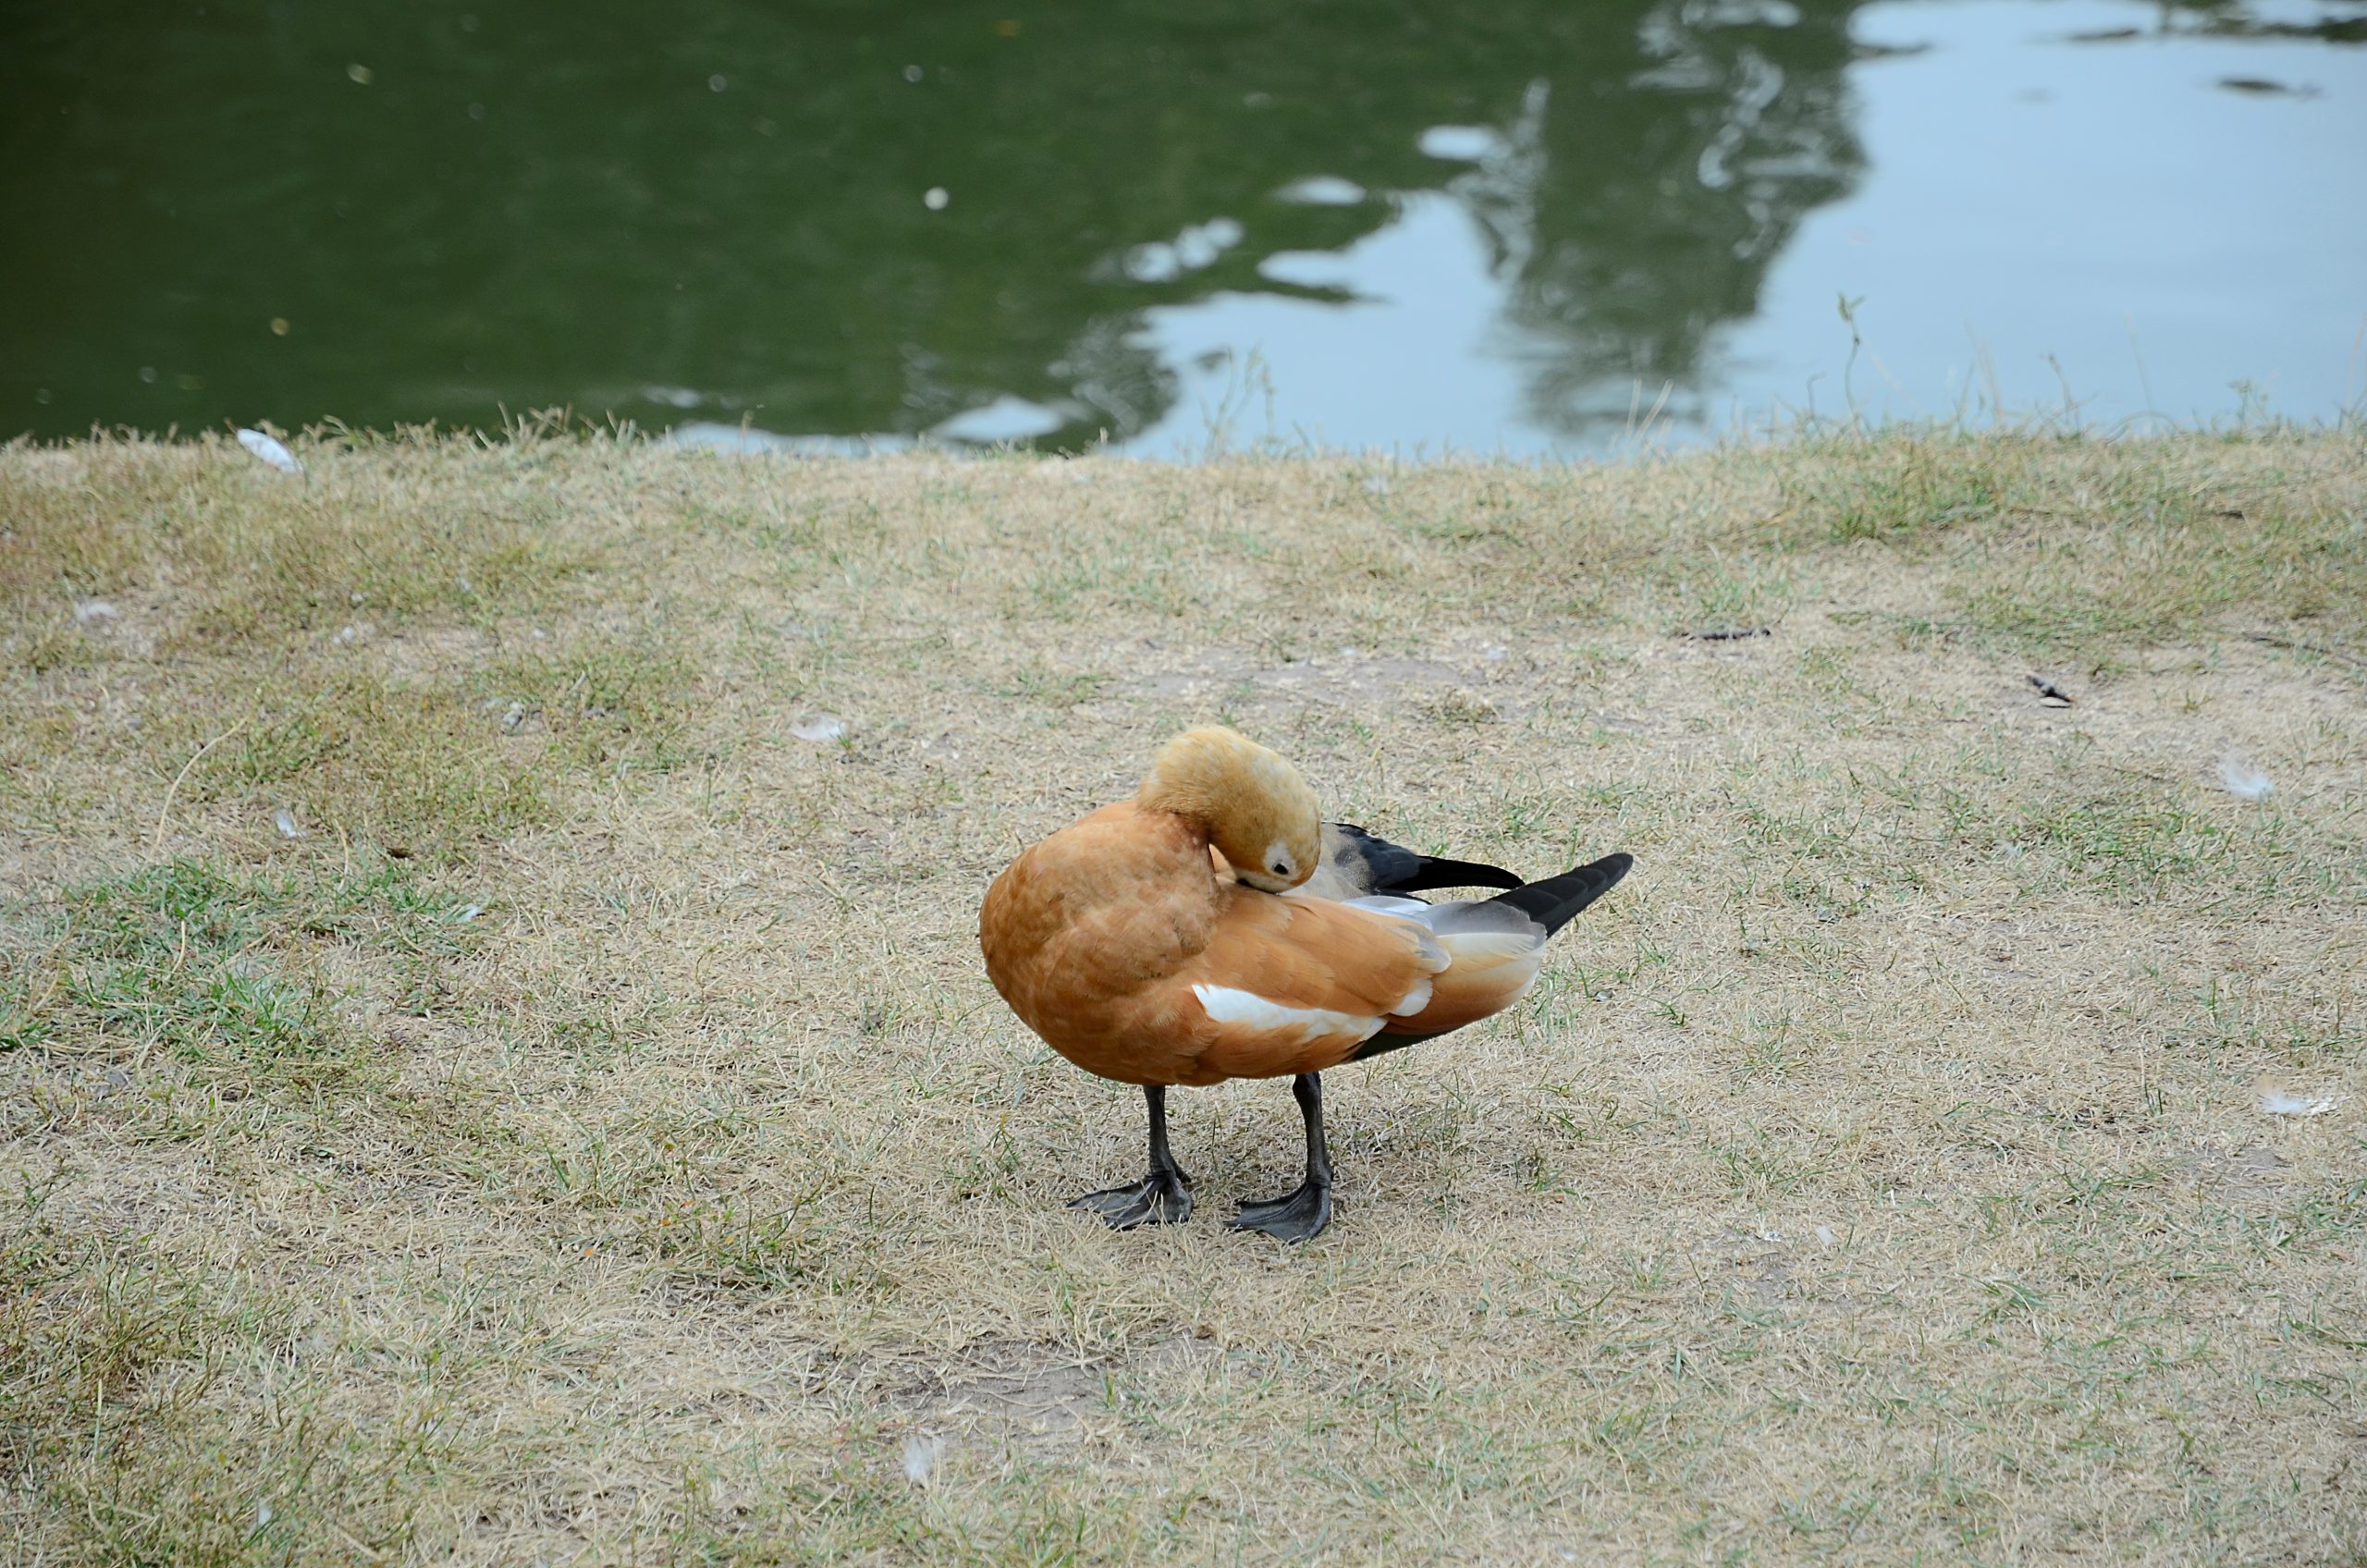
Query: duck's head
1257, 811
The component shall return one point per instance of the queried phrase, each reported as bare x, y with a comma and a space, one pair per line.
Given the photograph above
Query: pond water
1538, 229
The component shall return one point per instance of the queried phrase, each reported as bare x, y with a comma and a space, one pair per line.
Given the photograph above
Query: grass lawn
480, 1081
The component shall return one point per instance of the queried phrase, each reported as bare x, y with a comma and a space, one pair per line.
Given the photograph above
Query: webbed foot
1163, 1197
1298, 1216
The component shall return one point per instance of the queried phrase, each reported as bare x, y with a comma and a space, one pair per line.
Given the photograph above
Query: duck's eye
1281, 868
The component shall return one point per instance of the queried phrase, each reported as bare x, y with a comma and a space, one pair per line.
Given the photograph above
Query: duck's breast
1077, 928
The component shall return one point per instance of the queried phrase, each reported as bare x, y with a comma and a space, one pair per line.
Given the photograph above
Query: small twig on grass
1728, 633
2296, 645
165, 811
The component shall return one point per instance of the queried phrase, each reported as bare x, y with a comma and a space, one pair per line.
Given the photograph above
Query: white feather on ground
269, 449
2284, 1102
818, 727
920, 1458
2243, 780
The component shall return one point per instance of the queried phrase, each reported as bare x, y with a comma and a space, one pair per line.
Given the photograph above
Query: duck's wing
1494, 948
1294, 985
1356, 863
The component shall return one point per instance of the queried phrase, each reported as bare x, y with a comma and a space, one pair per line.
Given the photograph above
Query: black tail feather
1435, 872
1552, 904
1393, 868
1557, 900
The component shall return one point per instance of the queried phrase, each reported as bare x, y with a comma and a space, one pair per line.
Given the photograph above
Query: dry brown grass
594, 1139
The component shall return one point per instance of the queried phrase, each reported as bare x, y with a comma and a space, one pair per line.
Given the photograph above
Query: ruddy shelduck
1184, 936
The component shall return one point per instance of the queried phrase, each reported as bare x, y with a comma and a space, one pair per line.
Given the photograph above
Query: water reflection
1629, 270
1524, 223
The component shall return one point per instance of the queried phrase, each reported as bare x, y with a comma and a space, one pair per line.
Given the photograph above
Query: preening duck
1184, 936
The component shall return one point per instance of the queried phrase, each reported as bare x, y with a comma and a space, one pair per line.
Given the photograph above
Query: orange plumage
1162, 940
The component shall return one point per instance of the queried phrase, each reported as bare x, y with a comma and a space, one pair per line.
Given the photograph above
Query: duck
1172, 939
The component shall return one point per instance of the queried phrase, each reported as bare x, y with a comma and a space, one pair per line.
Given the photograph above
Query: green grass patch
218, 972
451, 758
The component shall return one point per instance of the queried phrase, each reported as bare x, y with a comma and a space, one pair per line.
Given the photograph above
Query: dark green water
1532, 226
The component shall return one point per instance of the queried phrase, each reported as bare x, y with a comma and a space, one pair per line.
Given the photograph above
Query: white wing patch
1472, 918
1388, 903
1226, 1005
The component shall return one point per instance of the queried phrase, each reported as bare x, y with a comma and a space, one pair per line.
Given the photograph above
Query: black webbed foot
1298, 1216
1163, 1197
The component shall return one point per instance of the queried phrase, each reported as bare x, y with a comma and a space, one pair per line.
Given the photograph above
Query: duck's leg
1163, 1197
1298, 1216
